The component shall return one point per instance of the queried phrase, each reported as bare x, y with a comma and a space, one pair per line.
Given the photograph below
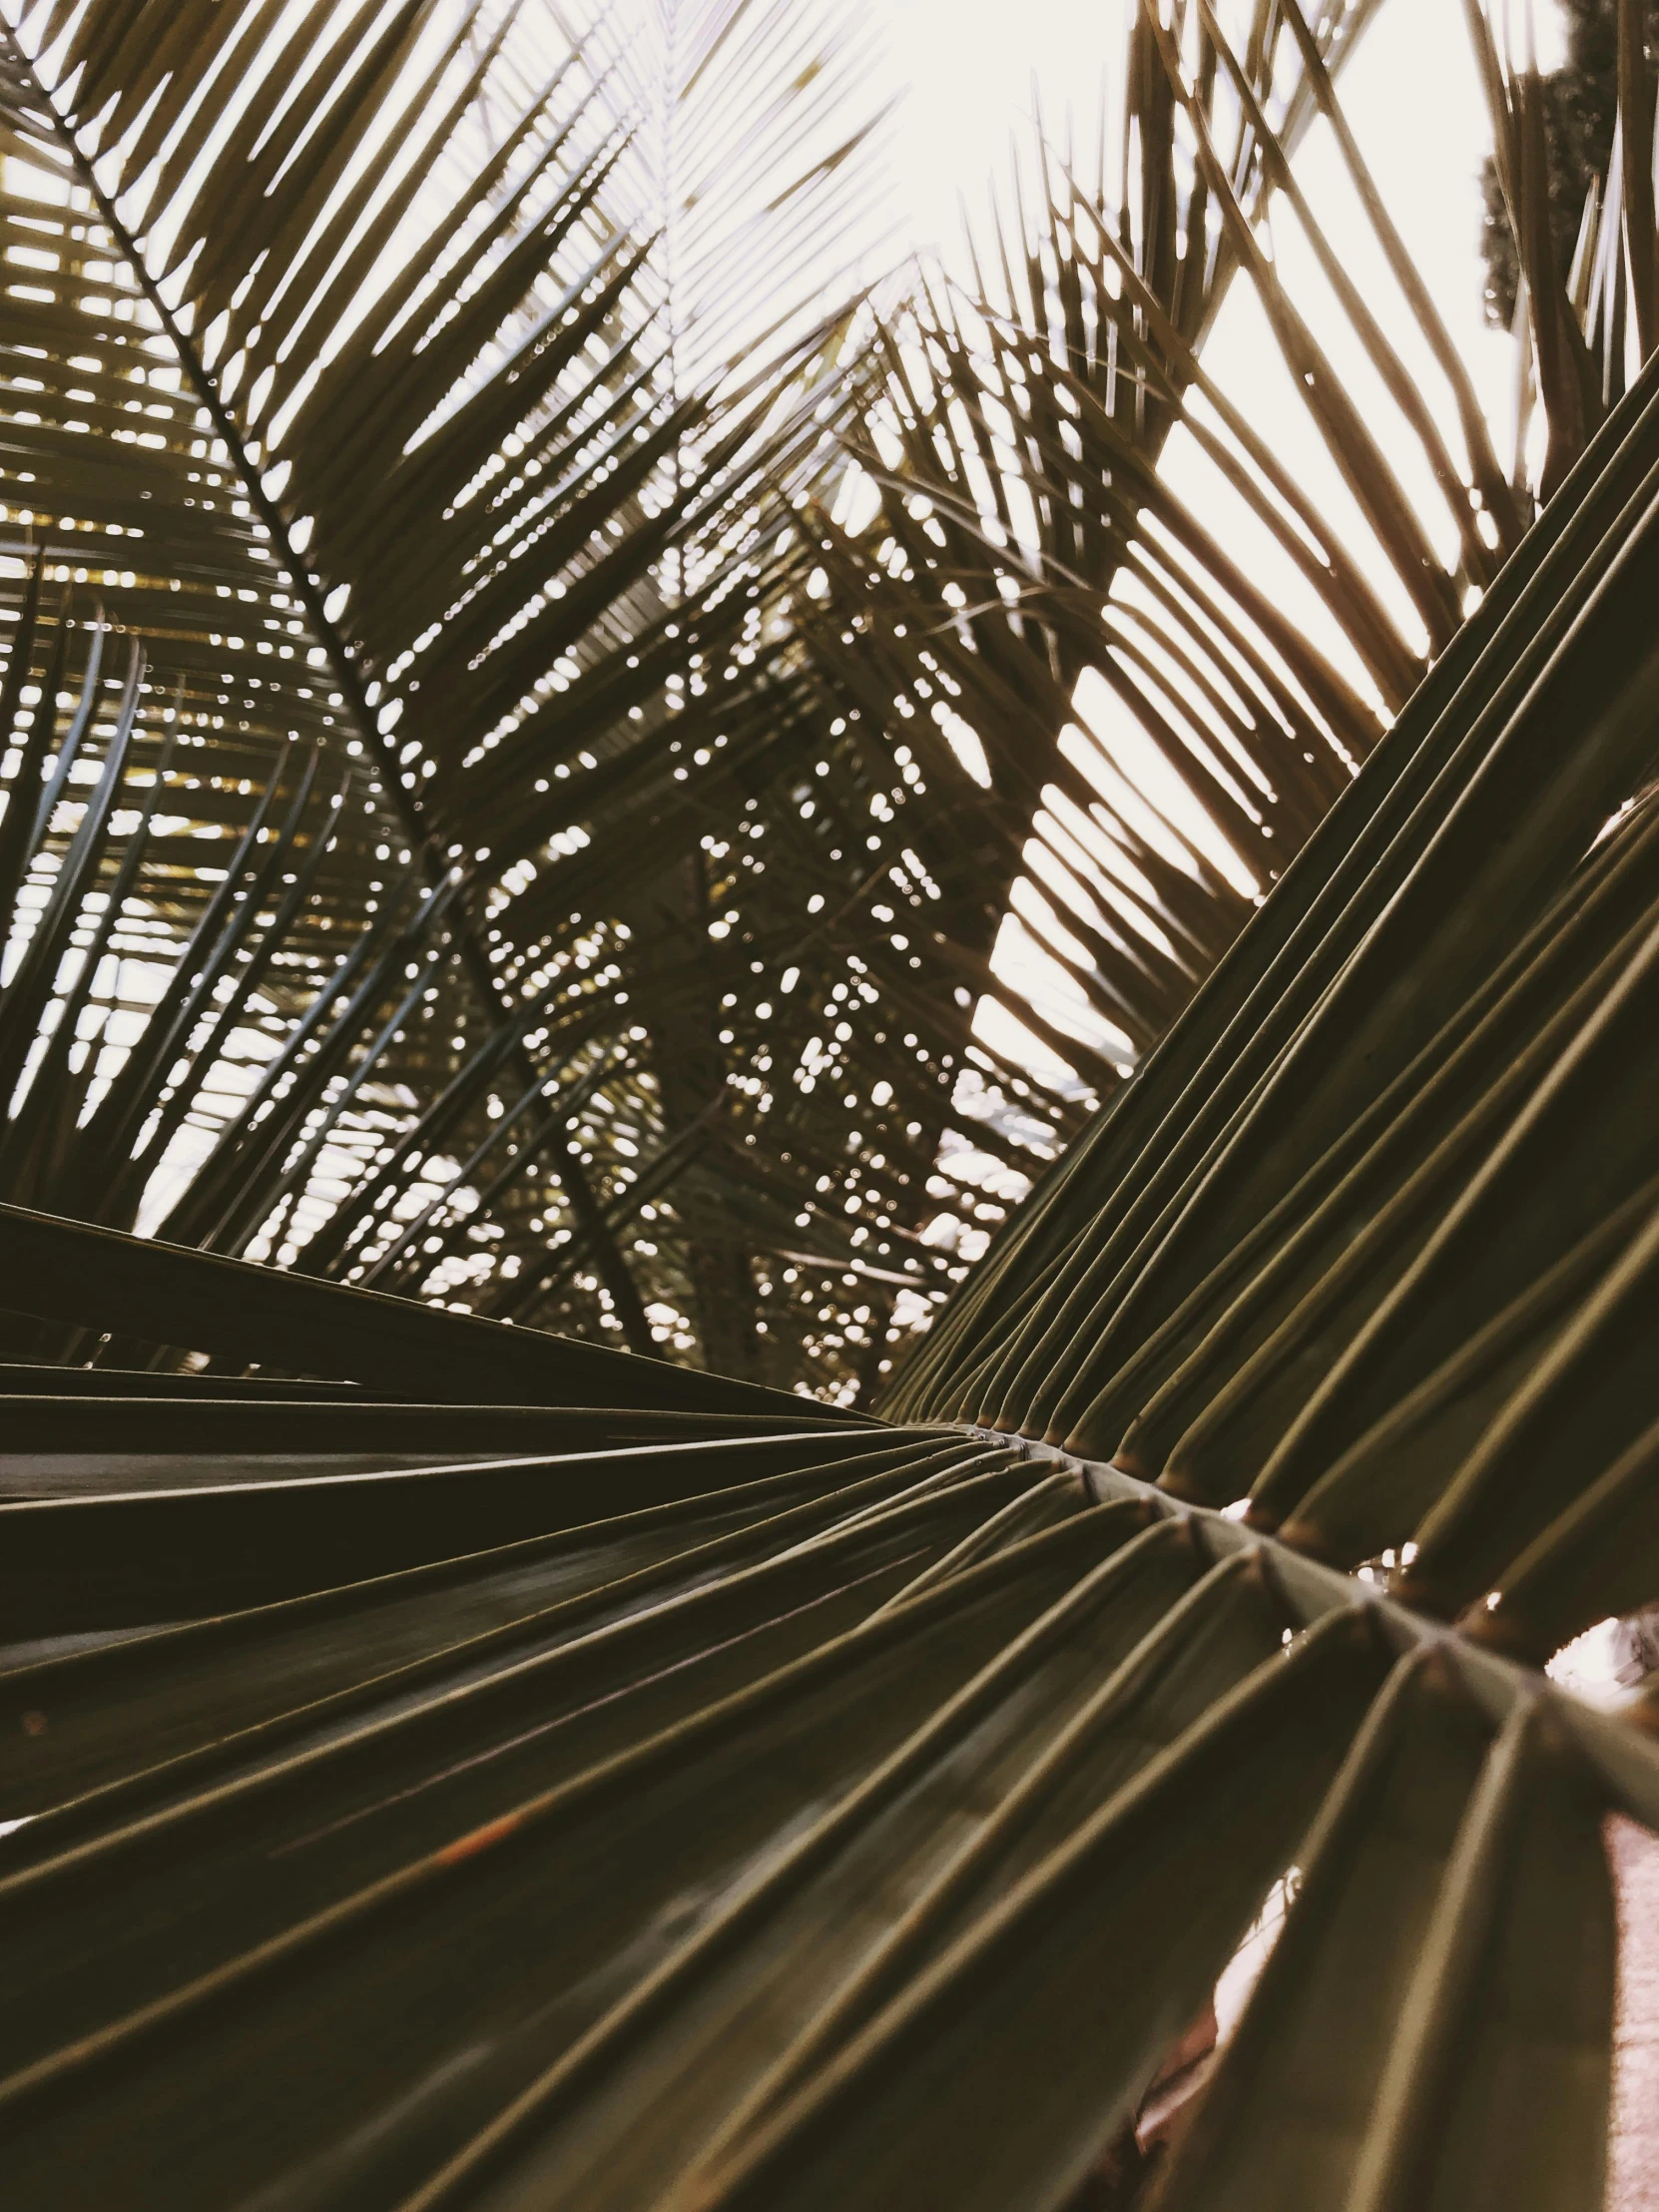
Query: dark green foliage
697, 1808
445, 1764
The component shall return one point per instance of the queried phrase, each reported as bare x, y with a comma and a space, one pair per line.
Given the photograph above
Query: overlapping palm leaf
1028, 537
642, 962
989, 1772
518, 328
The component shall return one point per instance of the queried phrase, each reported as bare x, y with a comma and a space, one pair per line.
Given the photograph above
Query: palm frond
451, 1764
1349, 1286
944, 1728
565, 535
638, 621
1035, 583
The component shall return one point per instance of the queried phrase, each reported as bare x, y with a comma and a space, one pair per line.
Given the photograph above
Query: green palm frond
1028, 537
592, 605
430, 436
448, 1763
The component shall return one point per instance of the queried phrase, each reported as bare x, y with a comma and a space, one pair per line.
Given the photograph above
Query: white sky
972, 67
977, 72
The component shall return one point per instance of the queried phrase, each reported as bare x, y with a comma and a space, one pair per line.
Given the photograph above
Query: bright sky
974, 67
978, 70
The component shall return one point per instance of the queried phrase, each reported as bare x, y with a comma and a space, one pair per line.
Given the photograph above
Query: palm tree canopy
1102, 1748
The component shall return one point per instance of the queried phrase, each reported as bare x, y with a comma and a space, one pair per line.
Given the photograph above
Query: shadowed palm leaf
563, 1778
